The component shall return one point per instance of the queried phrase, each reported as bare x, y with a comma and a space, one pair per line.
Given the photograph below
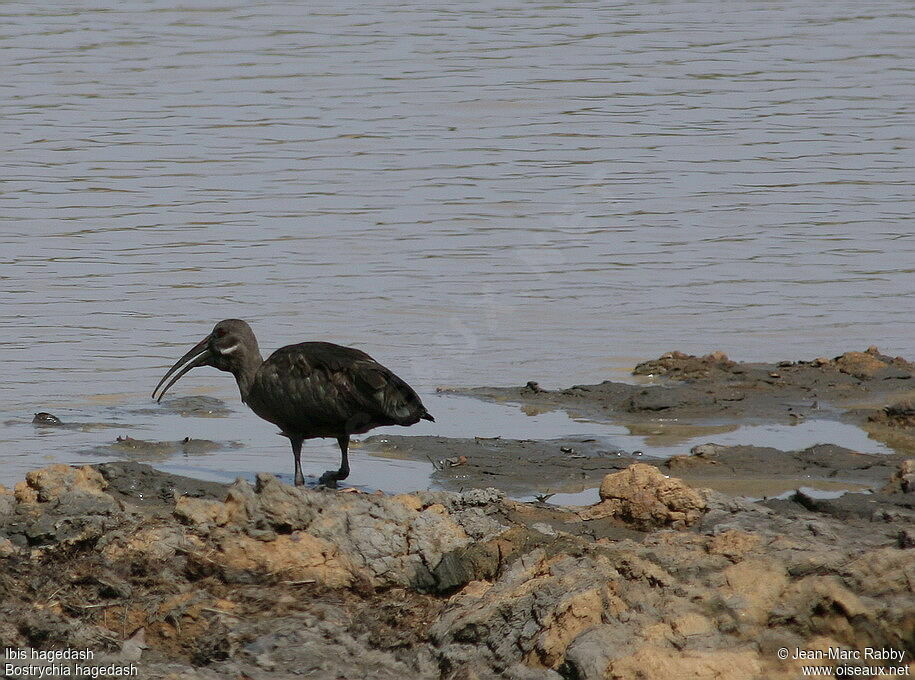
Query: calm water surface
474, 194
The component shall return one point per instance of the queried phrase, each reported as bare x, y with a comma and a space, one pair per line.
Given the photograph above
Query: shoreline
666, 575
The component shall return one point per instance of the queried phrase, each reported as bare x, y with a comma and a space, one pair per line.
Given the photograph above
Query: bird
308, 390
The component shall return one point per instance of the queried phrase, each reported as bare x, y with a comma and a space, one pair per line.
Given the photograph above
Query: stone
295, 557
48, 483
859, 364
903, 480
648, 499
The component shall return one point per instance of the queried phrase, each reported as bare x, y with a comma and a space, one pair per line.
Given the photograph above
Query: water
474, 194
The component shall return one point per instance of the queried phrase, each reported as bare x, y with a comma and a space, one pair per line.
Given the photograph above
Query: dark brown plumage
312, 389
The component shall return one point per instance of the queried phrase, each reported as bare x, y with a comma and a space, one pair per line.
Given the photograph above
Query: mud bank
189, 579
865, 388
542, 467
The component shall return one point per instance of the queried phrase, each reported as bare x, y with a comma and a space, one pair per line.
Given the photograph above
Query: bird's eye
220, 332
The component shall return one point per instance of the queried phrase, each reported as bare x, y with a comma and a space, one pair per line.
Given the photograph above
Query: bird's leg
331, 477
343, 472
297, 454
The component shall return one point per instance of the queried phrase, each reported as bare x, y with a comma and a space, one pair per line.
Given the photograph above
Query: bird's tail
427, 416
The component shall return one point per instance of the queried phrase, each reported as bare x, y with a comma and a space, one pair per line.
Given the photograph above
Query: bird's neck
245, 372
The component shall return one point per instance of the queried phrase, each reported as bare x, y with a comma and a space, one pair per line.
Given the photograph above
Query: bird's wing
318, 386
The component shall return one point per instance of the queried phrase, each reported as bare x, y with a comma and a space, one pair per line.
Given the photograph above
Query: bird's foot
329, 479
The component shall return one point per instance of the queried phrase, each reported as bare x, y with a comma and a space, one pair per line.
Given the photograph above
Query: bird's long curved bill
200, 355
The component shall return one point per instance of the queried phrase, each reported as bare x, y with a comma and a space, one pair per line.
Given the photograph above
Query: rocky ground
661, 578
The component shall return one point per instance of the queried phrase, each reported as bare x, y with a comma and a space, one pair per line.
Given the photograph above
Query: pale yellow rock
649, 499
236, 507
437, 509
24, 493
882, 571
658, 633
409, 500
48, 483
472, 590
155, 543
692, 624
201, 512
607, 508
570, 617
296, 557
859, 364
663, 663
7, 547
760, 584
903, 479
734, 544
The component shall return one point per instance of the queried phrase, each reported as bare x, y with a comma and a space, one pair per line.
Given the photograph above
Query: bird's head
228, 347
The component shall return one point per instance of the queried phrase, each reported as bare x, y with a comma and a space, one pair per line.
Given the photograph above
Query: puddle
785, 437
762, 488
815, 492
393, 476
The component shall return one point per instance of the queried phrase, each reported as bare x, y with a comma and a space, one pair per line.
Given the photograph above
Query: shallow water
473, 194
250, 445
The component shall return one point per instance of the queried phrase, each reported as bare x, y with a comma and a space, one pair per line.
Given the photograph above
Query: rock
686, 464
859, 364
570, 615
58, 504
899, 414
154, 544
49, 483
532, 613
906, 539
268, 580
754, 585
684, 366
201, 513
295, 557
707, 450
588, 656
650, 662
341, 537
7, 547
734, 544
640, 495
7, 503
903, 480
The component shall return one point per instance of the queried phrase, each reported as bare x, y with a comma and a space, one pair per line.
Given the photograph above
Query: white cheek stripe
229, 350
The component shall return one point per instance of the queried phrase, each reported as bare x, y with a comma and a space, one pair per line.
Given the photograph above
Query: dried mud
190, 579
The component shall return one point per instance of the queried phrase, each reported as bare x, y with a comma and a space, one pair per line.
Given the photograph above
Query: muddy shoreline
867, 388
671, 572
689, 394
